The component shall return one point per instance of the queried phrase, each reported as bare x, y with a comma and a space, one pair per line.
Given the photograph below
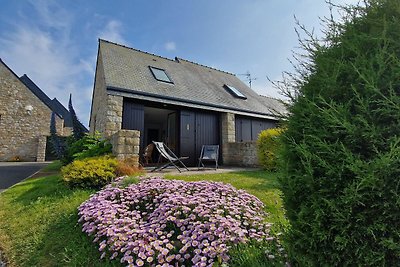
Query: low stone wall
241, 154
126, 145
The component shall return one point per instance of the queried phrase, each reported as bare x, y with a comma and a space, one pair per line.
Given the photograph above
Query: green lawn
39, 218
39, 225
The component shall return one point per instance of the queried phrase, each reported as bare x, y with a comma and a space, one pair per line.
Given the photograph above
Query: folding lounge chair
166, 153
209, 153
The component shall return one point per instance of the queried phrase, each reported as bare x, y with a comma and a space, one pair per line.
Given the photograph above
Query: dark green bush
342, 144
91, 145
90, 172
268, 148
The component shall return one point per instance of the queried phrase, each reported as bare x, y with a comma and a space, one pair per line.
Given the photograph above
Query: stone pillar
228, 128
113, 116
41, 149
126, 144
227, 136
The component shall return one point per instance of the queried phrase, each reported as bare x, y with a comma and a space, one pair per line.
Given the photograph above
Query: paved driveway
14, 172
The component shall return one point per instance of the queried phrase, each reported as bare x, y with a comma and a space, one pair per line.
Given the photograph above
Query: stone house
25, 113
181, 103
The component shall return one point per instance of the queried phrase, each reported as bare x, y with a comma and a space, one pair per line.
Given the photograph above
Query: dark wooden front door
187, 137
197, 129
207, 131
133, 118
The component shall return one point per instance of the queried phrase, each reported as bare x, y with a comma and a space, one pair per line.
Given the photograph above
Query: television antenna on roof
248, 77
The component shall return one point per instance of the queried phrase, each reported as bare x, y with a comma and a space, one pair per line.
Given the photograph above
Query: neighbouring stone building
144, 97
25, 113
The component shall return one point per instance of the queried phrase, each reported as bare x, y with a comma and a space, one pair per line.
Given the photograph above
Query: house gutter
198, 104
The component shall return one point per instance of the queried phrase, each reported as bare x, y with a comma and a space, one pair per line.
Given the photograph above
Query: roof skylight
160, 74
235, 92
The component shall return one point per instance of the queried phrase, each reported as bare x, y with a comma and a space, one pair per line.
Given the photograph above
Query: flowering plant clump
161, 222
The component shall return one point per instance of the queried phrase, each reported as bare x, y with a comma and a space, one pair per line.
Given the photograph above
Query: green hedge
90, 172
268, 147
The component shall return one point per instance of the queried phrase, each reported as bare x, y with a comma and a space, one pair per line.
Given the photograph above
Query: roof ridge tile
177, 59
195, 63
274, 98
135, 49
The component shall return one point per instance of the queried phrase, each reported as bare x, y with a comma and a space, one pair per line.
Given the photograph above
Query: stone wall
242, 154
66, 131
236, 154
24, 119
106, 113
126, 145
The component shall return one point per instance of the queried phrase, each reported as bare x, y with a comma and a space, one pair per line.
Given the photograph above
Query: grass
262, 184
39, 218
39, 225
55, 166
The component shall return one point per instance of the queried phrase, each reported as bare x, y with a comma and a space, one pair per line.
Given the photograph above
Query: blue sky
55, 42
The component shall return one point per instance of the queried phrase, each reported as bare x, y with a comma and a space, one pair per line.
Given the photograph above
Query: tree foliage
77, 128
90, 145
341, 158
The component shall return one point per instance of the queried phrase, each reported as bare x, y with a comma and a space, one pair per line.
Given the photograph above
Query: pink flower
157, 217
139, 262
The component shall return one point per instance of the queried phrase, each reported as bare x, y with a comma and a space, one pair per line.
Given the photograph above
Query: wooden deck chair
209, 153
172, 159
148, 154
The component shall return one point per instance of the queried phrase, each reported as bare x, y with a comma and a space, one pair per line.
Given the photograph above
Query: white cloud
44, 51
52, 14
40, 45
112, 32
170, 46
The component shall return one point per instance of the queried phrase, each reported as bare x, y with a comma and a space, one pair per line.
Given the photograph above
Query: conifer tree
341, 157
56, 142
78, 130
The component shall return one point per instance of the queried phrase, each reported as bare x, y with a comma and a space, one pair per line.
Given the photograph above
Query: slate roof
65, 113
53, 104
44, 98
127, 73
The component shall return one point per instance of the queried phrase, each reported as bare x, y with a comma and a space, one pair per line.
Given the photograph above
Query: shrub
91, 145
342, 144
90, 172
125, 168
176, 223
267, 148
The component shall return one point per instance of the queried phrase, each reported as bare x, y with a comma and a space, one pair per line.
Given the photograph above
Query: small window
235, 92
160, 75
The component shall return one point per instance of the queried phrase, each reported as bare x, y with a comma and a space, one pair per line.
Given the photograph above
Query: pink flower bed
161, 222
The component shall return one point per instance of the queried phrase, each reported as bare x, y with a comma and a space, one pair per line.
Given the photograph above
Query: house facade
25, 113
178, 102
